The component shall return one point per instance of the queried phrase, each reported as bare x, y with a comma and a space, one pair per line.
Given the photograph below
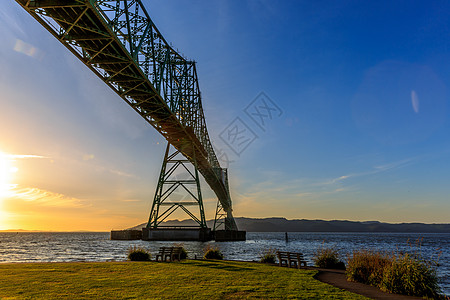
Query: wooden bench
290, 259
169, 253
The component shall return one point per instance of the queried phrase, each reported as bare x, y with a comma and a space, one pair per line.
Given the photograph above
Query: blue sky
363, 133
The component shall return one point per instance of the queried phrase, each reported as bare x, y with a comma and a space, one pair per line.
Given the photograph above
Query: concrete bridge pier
177, 234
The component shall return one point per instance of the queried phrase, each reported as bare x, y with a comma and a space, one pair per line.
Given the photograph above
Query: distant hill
19, 230
284, 225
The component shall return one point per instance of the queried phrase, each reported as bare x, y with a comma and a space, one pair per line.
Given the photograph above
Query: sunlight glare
6, 173
3, 220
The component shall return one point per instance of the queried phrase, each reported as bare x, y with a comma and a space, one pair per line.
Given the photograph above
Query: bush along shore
328, 258
136, 253
402, 273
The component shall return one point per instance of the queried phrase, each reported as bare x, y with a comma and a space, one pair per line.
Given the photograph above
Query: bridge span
118, 41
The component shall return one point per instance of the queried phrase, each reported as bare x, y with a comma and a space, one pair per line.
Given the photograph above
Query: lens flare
26, 49
415, 101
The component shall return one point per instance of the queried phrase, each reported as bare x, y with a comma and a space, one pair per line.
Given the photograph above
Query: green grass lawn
190, 279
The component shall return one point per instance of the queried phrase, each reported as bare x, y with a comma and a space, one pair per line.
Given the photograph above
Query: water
58, 247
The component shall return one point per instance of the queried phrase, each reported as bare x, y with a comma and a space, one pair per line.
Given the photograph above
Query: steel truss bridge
118, 41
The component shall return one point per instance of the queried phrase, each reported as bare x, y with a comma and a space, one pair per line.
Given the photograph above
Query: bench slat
290, 259
171, 253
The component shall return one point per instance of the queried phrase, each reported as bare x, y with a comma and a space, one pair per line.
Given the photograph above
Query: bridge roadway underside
86, 33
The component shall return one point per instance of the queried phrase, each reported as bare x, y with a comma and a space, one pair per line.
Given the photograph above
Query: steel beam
118, 41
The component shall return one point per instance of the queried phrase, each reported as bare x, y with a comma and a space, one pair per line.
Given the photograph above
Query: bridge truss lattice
119, 42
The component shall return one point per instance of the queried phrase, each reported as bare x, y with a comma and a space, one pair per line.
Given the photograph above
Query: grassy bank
185, 280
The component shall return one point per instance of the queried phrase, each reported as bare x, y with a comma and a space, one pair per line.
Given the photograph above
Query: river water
96, 246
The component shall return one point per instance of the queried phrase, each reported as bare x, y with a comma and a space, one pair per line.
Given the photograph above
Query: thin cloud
316, 188
46, 198
88, 157
12, 24
19, 156
334, 180
306, 194
376, 170
121, 173
395, 165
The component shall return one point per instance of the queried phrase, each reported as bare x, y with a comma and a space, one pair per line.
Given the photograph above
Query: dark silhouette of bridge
118, 41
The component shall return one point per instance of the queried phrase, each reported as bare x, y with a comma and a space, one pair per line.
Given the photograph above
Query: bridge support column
219, 219
224, 217
178, 189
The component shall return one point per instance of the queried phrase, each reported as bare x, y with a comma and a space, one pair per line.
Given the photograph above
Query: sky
359, 127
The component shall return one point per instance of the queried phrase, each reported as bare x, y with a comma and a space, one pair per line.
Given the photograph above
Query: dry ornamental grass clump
137, 253
367, 266
212, 253
268, 256
395, 273
328, 258
410, 276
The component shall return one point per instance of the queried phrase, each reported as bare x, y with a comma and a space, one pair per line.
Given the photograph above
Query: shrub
268, 256
401, 274
408, 275
184, 254
328, 258
367, 266
212, 253
137, 253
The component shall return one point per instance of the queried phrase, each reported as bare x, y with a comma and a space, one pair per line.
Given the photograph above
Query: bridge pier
229, 235
126, 235
177, 234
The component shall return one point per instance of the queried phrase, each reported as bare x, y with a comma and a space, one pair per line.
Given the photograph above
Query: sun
7, 171
6, 174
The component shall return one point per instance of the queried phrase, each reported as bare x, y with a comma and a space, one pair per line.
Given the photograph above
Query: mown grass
190, 279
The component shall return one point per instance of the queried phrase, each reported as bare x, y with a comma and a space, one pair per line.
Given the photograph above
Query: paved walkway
338, 279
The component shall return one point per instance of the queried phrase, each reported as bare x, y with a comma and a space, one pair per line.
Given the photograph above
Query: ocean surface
96, 246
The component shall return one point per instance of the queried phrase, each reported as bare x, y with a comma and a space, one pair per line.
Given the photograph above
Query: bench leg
291, 263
